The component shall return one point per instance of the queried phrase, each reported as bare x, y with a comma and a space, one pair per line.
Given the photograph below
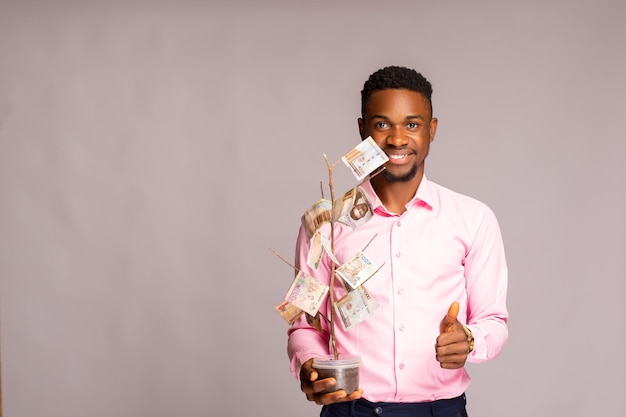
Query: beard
389, 177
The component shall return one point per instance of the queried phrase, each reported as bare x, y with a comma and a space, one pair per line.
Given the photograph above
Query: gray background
151, 152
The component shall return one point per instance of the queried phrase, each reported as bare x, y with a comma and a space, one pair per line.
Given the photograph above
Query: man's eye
412, 125
382, 125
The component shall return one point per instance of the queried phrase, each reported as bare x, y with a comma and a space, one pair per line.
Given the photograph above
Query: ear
362, 132
433, 128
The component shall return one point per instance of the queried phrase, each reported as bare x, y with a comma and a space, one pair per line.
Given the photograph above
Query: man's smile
399, 157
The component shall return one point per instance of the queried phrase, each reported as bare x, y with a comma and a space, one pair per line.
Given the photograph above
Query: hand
313, 388
452, 346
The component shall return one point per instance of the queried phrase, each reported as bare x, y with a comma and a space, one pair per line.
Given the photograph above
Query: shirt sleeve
486, 276
305, 342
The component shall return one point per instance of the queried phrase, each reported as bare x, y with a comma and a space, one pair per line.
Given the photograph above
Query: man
441, 291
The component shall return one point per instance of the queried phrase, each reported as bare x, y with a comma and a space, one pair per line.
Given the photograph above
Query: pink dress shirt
445, 247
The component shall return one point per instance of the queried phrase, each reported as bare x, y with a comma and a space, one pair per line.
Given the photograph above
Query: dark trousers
454, 407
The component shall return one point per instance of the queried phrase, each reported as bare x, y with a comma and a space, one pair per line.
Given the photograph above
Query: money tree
306, 294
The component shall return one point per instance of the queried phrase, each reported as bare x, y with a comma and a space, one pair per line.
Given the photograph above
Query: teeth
398, 156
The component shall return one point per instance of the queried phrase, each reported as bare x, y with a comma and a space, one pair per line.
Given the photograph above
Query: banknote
316, 249
327, 248
353, 208
318, 214
288, 312
319, 244
357, 270
364, 158
355, 307
306, 293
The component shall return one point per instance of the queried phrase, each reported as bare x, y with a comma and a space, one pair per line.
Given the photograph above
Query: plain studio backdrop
150, 152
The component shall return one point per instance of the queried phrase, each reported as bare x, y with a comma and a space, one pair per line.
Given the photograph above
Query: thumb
450, 318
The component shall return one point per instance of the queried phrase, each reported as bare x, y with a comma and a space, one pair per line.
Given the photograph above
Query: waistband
363, 407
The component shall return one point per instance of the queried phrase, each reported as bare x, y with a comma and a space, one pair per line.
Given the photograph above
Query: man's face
400, 123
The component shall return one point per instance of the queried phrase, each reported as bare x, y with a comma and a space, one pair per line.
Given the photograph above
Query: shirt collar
424, 197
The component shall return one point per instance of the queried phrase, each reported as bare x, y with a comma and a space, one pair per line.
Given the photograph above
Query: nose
397, 137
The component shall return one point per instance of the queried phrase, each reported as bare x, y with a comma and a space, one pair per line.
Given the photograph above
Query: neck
396, 195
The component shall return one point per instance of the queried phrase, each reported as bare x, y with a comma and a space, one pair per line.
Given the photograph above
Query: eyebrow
411, 117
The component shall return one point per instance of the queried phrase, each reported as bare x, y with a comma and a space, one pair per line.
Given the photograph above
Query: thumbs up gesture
452, 345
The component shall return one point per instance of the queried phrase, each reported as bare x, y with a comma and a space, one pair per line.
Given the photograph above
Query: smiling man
441, 290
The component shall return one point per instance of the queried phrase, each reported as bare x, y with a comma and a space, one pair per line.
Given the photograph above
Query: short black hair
395, 77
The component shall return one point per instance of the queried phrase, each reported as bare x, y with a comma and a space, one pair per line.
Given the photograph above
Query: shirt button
401, 291
398, 223
401, 366
401, 327
397, 254
378, 410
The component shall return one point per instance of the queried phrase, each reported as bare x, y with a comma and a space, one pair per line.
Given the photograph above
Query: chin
407, 176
